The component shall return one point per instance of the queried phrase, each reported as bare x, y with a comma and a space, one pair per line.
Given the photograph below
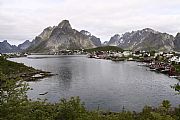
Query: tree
166, 104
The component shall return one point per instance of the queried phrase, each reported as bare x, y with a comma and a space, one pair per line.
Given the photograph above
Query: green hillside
105, 48
13, 70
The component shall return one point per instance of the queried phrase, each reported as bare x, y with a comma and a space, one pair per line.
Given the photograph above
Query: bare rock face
24, 45
146, 39
53, 39
177, 42
105, 43
96, 41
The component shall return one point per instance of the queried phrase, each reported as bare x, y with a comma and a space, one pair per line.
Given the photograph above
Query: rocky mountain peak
5, 47
149, 30
178, 35
85, 32
24, 45
65, 24
5, 41
54, 39
27, 41
145, 39
117, 36
48, 28
113, 39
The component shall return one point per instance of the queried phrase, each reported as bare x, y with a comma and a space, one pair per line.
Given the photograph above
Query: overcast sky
24, 19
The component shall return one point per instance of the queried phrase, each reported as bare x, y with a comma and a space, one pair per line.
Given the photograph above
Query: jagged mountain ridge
56, 38
64, 37
5, 47
24, 45
145, 39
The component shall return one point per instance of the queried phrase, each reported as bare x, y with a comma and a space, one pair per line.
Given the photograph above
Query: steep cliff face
146, 39
177, 42
53, 39
96, 41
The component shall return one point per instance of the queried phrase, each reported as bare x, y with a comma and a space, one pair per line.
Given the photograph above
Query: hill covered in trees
105, 48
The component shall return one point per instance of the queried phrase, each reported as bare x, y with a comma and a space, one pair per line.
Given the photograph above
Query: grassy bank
105, 48
13, 70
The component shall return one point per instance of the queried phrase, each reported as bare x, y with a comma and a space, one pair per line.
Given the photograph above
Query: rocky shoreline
19, 71
36, 75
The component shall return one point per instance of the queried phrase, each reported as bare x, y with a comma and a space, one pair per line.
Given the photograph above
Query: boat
43, 93
144, 64
173, 76
152, 69
118, 59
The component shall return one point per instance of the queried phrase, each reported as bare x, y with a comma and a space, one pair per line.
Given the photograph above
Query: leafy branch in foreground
14, 105
176, 87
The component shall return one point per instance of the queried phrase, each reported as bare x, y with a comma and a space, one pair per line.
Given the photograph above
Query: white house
127, 53
118, 54
173, 59
178, 61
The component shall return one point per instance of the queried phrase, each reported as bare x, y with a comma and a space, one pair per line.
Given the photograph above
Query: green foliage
105, 48
152, 52
70, 110
177, 66
15, 105
166, 104
176, 87
12, 68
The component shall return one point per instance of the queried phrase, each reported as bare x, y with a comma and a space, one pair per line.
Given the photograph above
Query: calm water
109, 85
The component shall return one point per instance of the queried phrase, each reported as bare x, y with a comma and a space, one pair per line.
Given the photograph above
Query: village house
127, 53
175, 60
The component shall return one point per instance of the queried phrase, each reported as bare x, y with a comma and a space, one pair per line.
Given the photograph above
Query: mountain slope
24, 45
5, 47
53, 39
177, 42
96, 41
146, 39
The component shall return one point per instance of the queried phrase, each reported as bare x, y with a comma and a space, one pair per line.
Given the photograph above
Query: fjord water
109, 85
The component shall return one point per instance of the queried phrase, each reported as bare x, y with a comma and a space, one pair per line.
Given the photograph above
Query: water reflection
102, 83
65, 77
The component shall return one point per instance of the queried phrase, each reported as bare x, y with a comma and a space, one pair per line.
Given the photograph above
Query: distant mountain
60, 37
24, 45
54, 39
105, 43
96, 41
145, 39
5, 47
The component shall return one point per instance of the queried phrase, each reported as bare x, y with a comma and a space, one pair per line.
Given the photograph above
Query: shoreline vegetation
13, 70
15, 105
